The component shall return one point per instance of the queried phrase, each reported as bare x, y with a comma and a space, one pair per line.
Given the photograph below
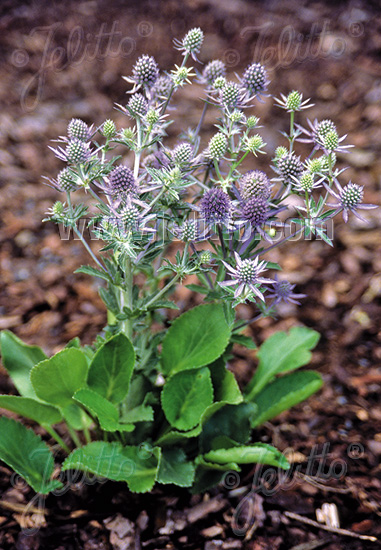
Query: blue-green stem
292, 116
80, 236
74, 436
55, 436
163, 290
126, 297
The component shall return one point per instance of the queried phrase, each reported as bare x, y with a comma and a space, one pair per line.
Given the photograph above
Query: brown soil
333, 57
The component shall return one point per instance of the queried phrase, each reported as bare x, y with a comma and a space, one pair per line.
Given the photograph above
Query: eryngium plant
146, 404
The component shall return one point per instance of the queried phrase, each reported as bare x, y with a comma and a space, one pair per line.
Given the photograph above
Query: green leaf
75, 416
111, 368
109, 299
198, 288
258, 453
55, 380
102, 409
195, 339
210, 474
45, 415
231, 421
175, 468
141, 413
19, 358
24, 451
282, 353
243, 340
284, 393
135, 465
89, 270
225, 385
185, 397
174, 437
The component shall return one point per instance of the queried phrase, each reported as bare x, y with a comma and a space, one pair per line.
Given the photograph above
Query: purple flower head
349, 200
144, 73
255, 183
232, 95
66, 181
191, 43
216, 206
283, 291
214, 69
76, 152
182, 154
122, 181
255, 80
324, 136
246, 276
137, 106
255, 211
161, 89
289, 167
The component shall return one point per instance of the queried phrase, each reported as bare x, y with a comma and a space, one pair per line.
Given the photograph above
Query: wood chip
205, 508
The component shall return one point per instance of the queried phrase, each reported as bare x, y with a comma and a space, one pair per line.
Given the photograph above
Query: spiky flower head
205, 257
219, 83
182, 154
293, 102
255, 183
130, 217
255, 211
66, 180
280, 152
351, 195
77, 129
237, 116
252, 122
289, 168
215, 206
214, 69
152, 117
349, 199
109, 129
255, 79
188, 231
306, 182
316, 165
254, 144
327, 160
331, 141
217, 146
283, 291
57, 208
321, 130
122, 181
230, 95
76, 151
137, 106
191, 43
161, 88
247, 276
145, 71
